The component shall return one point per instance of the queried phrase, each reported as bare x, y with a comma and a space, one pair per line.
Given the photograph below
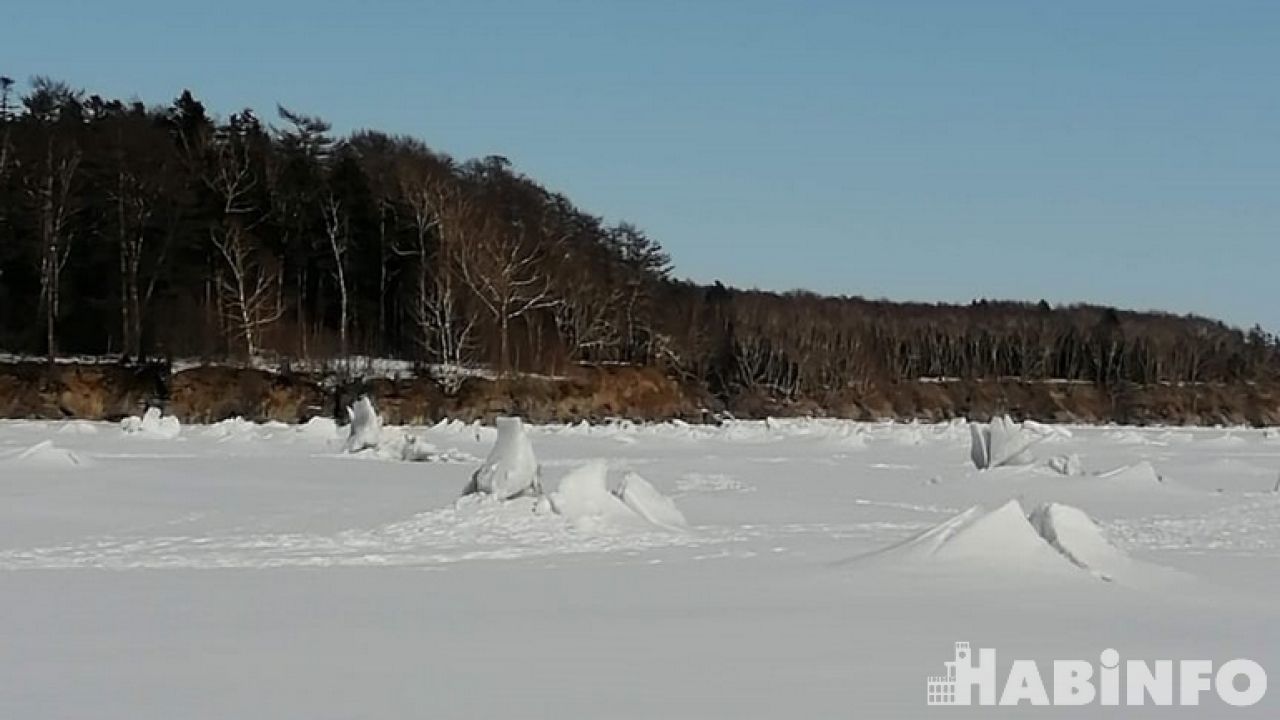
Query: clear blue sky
1075, 150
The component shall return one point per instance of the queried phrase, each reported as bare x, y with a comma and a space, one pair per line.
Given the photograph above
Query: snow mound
319, 428
78, 427
1000, 443
583, 498
236, 428
365, 430
512, 469
909, 434
1130, 437
1048, 432
1142, 473
646, 501
46, 455
1229, 440
152, 424
398, 445
1082, 541
711, 483
416, 449
1068, 465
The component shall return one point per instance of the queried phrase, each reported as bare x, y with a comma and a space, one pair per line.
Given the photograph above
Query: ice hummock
646, 501
1069, 465
1082, 541
999, 538
365, 430
152, 424
1000, 443
1055, 538
583, 498
511, 469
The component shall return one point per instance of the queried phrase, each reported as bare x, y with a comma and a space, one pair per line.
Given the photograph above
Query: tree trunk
504, 342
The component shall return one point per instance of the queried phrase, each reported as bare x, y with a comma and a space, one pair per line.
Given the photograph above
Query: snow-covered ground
258, 571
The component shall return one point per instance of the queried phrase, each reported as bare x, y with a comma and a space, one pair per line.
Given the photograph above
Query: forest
160, 232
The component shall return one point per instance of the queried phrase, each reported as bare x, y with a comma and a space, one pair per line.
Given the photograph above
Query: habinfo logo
971, 679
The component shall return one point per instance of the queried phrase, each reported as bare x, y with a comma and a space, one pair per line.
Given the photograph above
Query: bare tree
501, 262
445, 330
52, 192
6, 117
249, 291
439, 207
142, 179
249, 288
335, 230
586, 311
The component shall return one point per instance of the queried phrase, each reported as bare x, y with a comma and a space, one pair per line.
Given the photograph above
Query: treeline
171, 232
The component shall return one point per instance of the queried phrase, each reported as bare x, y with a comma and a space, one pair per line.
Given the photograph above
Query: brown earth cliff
211, 393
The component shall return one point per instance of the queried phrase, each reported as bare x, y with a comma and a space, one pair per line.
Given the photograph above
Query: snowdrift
366, 426
78, 427
511, 469
1139, 474
1054, 539
999, 538
152, 424
1000, 443
411, 448
45, 455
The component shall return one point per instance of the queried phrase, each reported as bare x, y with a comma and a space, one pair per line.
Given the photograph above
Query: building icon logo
970, 678
941, 689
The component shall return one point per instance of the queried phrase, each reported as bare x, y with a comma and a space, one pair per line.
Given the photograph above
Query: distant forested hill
173, 232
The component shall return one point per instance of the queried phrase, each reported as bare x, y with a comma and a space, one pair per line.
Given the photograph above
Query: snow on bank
843, 433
